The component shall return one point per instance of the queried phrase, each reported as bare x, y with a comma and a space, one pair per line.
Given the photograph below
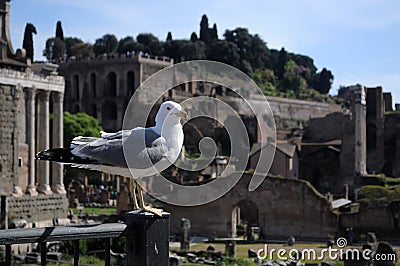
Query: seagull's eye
168, 108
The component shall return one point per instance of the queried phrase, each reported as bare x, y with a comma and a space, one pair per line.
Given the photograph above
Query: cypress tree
169, 36
27, 43
193, 37
214, 33
204, 29
59, 31
282, 60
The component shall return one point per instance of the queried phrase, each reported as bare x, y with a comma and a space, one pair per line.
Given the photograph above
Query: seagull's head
170, 111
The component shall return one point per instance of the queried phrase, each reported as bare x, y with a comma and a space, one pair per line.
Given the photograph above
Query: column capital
58, 97
17, 92
44, 95
29, 93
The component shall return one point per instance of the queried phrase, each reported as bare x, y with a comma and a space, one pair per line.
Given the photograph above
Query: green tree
169, 36
54, 50
75, 47
251, 48
27, 43
225, 52
128, 44
193, 37
122, 42
293, 83
172, 49
325, 81
82, 50
106, 44
282, 60
204, 29
265, 79
150, 43
59, 31
69, 43
213, 33
80, 124
192, 51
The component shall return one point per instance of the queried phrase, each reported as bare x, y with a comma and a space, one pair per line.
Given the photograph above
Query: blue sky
358, 40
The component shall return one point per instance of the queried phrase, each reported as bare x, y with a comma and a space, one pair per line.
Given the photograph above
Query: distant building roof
326, 143
340, 202
287, 148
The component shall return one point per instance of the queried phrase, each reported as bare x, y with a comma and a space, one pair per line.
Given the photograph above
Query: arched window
130, 83
109, 110
93, 84
111, 89
75, 87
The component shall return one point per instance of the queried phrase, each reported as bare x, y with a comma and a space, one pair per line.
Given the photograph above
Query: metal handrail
57, 233
42, 235
146, 238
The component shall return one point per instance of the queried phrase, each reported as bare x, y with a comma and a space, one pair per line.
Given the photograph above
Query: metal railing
146, 238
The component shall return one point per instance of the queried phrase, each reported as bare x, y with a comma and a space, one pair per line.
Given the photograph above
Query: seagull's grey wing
103, 151
143, 148
116, 135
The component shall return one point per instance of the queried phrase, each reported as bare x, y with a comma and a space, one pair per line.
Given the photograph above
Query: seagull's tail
62, 155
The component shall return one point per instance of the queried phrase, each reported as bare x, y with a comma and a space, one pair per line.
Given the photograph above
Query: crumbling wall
8, 138
285, 207
39, 208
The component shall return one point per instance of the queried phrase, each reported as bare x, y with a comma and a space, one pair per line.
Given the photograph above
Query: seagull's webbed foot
155, 211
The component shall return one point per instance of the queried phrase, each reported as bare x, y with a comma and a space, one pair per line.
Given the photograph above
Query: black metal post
107, 254
147, 239
43, 253
76, 252
8, 255
3, 212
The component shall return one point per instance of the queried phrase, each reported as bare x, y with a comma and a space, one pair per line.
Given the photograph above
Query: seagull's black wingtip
62, 155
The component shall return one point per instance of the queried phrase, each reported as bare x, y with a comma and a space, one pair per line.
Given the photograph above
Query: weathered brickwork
280, 206
39, 208
8, 137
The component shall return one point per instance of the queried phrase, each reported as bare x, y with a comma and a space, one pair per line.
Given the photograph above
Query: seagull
134, 153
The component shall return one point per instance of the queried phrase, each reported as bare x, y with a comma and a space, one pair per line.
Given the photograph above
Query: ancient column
30, 139
17, 91
44, 141
360, 130
58, 137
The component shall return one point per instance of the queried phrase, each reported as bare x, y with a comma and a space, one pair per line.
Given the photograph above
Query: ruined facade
27, 98
103, 86
343, 145
280, 207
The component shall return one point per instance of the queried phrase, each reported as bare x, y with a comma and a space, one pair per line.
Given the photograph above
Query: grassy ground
242, 256
95, 210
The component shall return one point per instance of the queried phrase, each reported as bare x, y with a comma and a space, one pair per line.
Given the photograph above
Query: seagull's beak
181, 114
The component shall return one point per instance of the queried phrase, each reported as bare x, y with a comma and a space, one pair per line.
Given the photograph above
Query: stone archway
244, 213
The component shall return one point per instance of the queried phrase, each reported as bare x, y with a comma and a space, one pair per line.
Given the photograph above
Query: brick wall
8, 136
285, 207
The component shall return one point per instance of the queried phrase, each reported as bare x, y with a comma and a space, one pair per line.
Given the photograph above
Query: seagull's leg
133, 193
144, 207
141, 200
